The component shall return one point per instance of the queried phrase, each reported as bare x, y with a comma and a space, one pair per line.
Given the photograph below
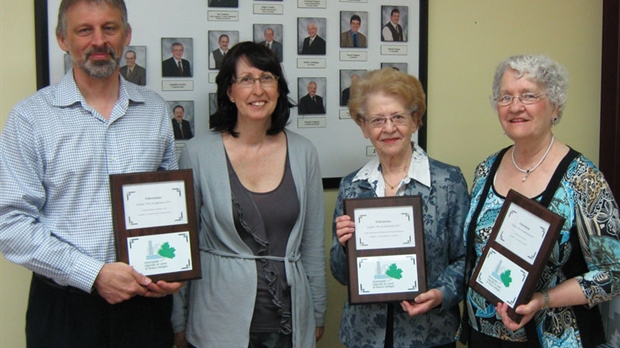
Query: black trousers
67, 317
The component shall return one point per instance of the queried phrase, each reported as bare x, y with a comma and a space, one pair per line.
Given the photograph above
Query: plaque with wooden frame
517, 250
154, 220
386, 254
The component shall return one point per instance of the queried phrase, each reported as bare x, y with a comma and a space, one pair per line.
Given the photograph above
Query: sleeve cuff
84, 272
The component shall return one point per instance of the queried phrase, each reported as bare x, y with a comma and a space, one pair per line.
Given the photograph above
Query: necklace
529, 171
390, 185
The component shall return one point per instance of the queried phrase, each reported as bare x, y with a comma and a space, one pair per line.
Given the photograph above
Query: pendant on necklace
527, 173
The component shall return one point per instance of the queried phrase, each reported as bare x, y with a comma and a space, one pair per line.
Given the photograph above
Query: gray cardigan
216, 310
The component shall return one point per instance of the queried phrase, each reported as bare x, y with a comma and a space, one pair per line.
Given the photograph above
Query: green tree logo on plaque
506, 279
166, 251
394, 272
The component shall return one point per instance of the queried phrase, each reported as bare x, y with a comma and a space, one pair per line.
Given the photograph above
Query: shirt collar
419, 170
68, 93
130, 91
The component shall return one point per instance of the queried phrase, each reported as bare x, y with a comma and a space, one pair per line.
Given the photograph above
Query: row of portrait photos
308, 87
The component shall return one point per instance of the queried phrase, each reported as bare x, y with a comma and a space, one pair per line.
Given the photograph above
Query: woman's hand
344, 228
163, 288
423, 302
527, 310
319, 332
180, 341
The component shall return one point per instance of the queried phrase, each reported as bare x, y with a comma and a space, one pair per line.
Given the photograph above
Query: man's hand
118, 282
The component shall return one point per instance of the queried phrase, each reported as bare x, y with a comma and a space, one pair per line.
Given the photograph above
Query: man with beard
58, 149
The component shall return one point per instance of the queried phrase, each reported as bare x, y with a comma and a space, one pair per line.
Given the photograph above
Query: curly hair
539, 69
391, 82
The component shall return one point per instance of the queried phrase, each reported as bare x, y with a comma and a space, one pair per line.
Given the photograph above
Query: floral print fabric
585, 200
445, 204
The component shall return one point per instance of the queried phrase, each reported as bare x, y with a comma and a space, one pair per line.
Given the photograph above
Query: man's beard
99, 69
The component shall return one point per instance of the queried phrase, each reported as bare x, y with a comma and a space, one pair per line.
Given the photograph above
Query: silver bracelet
546, 298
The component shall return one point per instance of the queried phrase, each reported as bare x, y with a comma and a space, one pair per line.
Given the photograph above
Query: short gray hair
540, 69
61, 27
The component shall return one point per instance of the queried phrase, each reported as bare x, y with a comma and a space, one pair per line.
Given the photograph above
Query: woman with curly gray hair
529, 94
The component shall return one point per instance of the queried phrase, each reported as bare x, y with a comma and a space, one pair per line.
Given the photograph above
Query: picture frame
394, 14
151, 23
394, 65
188, 115
349, 19
154, 220
386, 255
169, 68
516, 252
346, 78
306, 106
274, 32
214, 45
307, 28
139, 73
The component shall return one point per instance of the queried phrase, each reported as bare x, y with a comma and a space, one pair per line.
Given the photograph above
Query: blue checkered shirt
56, 155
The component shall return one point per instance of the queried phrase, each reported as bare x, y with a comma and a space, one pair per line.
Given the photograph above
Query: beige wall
466, 41
17, 81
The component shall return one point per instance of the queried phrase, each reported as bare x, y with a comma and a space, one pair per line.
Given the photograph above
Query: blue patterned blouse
445, 204
583, 198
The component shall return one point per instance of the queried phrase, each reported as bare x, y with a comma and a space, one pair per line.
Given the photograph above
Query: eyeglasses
266, 80
381, 121
525, 99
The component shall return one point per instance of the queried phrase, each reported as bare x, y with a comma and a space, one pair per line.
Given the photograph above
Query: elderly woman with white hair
529, 94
